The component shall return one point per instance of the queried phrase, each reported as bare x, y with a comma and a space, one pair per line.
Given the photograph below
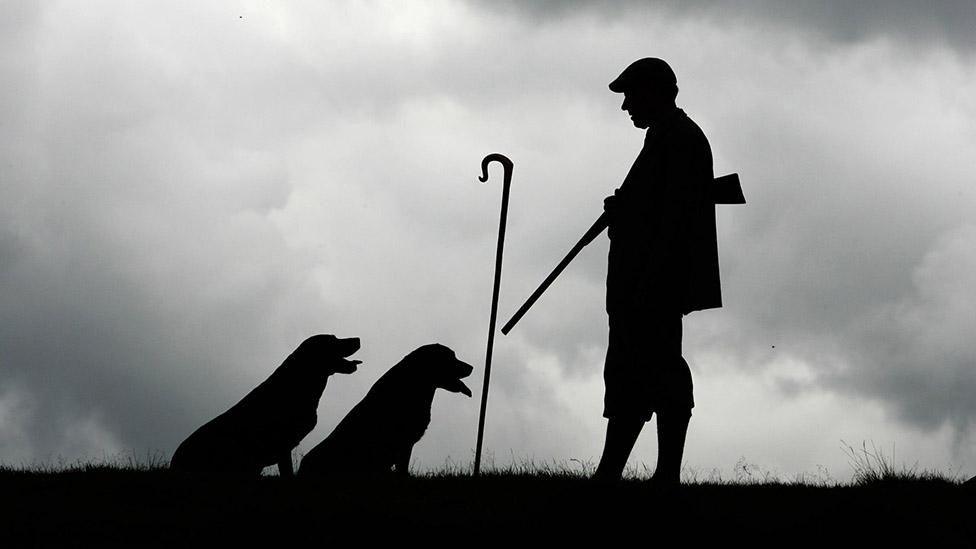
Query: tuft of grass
821, 479
746, 473
517, 467
873, 467
150, 461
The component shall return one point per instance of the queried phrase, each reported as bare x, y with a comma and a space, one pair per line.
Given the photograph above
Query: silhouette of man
663, 264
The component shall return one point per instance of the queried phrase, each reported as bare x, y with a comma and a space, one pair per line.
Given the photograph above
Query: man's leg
673, 418
621, 436
672, 426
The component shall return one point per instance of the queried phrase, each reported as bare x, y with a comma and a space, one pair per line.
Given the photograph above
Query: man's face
643, 107
639, 107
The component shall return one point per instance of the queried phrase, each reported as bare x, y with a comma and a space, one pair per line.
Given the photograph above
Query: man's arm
681, 194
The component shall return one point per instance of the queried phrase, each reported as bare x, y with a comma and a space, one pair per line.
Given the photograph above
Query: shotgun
724, 190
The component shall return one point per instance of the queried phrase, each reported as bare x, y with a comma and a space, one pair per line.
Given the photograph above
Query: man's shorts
644, 372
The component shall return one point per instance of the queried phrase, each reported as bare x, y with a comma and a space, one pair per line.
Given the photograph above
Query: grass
872, 466
137, 501
148, 462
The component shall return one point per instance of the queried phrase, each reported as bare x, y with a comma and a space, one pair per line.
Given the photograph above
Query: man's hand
611, 206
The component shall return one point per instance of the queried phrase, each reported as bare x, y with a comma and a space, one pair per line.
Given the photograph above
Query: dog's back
248, 437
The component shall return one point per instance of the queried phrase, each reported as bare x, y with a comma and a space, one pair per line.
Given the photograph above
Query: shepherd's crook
507, 166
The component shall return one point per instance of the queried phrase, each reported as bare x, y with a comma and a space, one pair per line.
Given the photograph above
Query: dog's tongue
458, 386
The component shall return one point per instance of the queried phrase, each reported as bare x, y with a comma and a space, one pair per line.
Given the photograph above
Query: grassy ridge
151, 506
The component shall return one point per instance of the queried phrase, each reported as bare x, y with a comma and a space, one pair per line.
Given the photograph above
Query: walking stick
507, 166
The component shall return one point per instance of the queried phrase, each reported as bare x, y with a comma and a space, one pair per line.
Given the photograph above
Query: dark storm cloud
918, 352
134, 260
157, 257
949, 22
835, 260
187, 194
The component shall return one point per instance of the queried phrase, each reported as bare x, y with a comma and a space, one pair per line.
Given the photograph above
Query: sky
189, 190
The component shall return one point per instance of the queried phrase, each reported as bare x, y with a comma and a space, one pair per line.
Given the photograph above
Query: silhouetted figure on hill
663, 264
264, 427
379, 433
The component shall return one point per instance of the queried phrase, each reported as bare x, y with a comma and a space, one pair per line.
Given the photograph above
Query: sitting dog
378, 434
271, 420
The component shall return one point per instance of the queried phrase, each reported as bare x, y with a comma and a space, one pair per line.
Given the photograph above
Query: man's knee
674, 414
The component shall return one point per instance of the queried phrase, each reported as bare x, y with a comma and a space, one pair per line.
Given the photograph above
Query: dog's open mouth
349, 366
458, 386
348, 347
463, 389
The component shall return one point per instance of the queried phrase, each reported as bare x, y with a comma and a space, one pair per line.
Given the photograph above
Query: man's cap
646, 73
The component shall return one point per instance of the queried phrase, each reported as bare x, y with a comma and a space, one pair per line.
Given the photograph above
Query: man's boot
671, 430
622, 434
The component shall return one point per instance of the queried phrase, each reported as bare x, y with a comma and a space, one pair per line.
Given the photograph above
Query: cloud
190, 192
917, 352
869, 179
139, 260
944, 23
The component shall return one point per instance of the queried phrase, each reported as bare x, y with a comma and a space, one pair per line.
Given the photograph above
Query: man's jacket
663, 246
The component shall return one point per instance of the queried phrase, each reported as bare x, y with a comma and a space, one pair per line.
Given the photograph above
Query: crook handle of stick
501, 159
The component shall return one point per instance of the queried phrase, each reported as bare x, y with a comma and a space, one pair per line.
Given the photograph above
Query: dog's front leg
402, 463
285, 468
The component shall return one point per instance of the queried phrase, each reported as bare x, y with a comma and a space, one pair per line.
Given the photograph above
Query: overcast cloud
187, 193
947, 22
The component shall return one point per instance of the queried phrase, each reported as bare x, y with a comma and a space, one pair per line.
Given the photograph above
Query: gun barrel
594, 231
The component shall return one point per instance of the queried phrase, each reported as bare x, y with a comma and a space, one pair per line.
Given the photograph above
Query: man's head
649, 87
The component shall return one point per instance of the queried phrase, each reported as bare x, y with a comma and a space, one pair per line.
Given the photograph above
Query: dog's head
327, 354
439, 366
